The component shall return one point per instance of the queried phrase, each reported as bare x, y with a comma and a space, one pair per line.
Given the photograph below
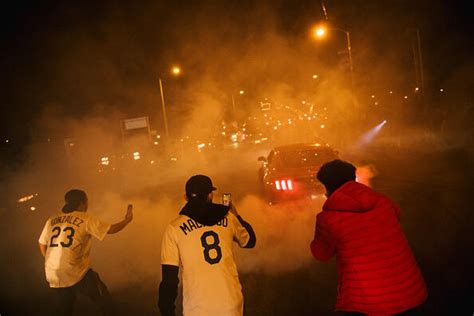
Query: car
289, 172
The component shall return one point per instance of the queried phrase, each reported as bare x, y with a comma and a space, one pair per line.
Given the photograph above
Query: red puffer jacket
377, 273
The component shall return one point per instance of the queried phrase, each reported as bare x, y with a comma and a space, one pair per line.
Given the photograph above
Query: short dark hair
335, 173
73, 199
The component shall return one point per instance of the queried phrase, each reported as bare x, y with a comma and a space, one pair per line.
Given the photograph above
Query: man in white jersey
200, 241
66, 243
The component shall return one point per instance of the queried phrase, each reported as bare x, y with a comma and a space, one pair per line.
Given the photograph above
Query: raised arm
115, 228
252, 238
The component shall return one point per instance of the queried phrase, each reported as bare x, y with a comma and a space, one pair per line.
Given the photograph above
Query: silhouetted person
66, 243
377, 273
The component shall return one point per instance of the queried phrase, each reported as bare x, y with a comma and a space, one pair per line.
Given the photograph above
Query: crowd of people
377, 272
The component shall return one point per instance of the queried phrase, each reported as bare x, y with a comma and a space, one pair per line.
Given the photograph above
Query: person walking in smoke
65, 243
377, 272
200, 241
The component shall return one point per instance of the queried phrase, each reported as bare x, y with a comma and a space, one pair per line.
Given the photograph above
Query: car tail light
284, 185
277, 184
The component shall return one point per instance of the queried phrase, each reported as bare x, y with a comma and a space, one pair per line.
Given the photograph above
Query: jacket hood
352, 197
204, 212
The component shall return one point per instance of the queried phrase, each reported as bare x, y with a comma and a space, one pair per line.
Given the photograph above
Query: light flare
370, 135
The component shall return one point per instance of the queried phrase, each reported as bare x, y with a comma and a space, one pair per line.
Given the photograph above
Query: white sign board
136, 123
265, 106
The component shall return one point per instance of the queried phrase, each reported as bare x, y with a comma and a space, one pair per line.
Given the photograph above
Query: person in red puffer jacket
377, 272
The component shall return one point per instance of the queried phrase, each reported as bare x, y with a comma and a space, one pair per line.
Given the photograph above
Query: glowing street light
176, 71
320, 32
241, 92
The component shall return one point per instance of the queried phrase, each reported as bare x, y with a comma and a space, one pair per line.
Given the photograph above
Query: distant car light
104, 161
26, 198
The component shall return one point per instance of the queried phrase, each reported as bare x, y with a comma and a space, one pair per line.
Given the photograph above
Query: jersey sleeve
97, 228
44, 237
169, 248
241, 235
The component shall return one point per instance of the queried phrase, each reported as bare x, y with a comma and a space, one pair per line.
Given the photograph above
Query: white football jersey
68, 240
210, 280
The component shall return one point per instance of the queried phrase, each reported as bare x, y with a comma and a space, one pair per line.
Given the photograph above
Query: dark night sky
139, 40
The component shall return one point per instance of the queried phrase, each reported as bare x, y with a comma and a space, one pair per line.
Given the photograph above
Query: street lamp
321, 31
175, 71
241, 92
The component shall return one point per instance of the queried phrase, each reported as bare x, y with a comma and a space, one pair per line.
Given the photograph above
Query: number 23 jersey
68, 240
209, 273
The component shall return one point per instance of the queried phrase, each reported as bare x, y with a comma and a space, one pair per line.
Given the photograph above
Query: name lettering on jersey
67, 219
190, 225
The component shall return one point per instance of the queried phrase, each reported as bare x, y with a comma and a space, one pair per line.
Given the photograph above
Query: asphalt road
433, 184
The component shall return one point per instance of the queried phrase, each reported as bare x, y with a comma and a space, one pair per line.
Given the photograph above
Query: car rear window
304, 158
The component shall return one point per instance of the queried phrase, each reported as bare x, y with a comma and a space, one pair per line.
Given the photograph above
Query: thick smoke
131, 256
284, 233
98, 75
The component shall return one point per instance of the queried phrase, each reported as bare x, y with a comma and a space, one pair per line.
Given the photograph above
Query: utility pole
165, 119
420, 58
418, 64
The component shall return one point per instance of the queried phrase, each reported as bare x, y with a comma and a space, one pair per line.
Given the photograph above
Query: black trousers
92, 287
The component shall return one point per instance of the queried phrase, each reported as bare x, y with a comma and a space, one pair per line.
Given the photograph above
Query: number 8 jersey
68, 240
204, 253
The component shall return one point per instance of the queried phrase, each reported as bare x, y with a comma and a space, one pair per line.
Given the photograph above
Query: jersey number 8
209, 246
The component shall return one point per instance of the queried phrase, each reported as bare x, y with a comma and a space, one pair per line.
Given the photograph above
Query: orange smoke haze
364, 174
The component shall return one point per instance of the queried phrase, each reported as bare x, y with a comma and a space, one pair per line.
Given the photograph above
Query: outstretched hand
115, 228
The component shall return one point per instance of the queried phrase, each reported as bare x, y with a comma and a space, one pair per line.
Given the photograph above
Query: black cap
199, 185
73, 199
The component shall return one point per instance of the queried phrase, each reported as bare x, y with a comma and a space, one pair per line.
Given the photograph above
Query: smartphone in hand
226, 198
